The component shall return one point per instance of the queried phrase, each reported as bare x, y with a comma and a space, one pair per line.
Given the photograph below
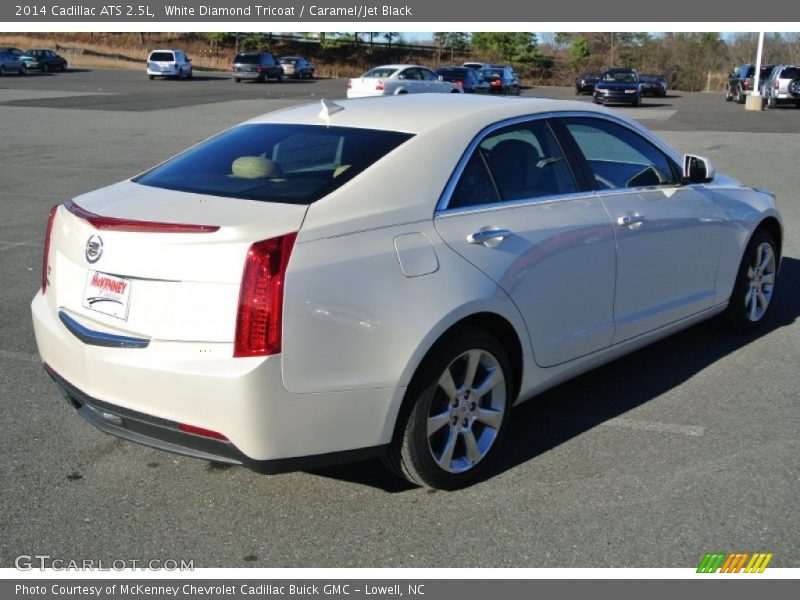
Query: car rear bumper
172, 72
144, 394
247, 74
352, 94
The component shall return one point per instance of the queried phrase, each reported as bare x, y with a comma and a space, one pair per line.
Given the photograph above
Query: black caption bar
410, 11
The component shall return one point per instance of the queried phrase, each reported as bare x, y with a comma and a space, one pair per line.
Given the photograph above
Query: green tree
514, 47
579, 53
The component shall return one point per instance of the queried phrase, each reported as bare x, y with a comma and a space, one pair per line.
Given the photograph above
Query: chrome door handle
629, 220
488, 237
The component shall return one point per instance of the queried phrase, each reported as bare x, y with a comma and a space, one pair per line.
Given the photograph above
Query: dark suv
740, 81
585, 82
256, 65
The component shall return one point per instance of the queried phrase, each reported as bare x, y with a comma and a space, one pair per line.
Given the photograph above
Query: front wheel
740, 97
23, 70
63, 67
151, 77
771, 102
755, 284
45, 69
456, 414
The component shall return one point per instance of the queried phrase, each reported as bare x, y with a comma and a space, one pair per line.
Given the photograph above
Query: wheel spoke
436, 422
762, 300
446, 458
473, 453
768, 278
448, 385
493, 378
473, 359
748, 296
759, 252
765, 251
753, 307
751, 273
490, 417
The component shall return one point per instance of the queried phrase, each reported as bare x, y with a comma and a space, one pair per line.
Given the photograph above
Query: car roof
165, 50
397, 67
421, 113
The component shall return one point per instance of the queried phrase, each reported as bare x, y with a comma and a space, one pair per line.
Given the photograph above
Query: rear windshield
649, 77
454, 72
290, 61
248, 59
162, 56
790, 73
493, 72
296, 164
380, 72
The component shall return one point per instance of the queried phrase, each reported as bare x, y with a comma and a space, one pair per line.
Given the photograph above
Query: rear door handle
490, 238
629, 220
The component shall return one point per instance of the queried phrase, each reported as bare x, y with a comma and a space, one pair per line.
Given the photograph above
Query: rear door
516, 211
668, 235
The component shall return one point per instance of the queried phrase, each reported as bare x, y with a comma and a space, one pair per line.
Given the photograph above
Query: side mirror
441, 77
697, 169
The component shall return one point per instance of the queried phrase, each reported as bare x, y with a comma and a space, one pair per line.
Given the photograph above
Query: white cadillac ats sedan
387, 278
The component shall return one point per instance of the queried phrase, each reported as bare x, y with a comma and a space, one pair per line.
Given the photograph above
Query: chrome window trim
444, 198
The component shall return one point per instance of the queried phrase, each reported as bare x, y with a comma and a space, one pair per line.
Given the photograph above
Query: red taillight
777, 85
259, 318
746, 84
115, 224
379, 86
200, 431
496, 83
349, 85
259, 69
45, 257
457, 82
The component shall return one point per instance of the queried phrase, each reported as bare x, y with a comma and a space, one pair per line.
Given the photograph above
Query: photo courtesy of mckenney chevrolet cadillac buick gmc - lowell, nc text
387, 277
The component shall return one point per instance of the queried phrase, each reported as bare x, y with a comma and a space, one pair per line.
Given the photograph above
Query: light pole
754, 99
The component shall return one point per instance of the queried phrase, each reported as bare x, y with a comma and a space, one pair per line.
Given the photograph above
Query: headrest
255, 167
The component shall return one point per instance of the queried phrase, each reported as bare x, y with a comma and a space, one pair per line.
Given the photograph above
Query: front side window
296, 164
619, 157
518, 162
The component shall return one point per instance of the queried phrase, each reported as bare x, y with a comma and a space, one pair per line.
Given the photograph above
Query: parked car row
777, 84
607, 86
257, 66
469, 78
14, 60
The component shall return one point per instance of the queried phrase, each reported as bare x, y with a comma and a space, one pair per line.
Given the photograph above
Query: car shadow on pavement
574, 407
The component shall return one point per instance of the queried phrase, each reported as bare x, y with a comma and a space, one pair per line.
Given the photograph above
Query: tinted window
790, 73
523, 161
297, 164
162, 56
618, 157
454, 72
247, 59
428, 75
620, 76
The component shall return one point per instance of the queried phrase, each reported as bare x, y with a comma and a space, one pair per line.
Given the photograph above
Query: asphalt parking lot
689, 446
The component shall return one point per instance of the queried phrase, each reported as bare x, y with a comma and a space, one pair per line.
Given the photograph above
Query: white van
169, 63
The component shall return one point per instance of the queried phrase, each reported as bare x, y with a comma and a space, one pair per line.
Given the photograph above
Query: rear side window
162, 56
518, 162
296, 164
790, 73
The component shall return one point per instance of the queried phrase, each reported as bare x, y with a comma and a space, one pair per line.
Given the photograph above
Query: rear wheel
45, 68
458, 413
755, 284
728, 94
740, 97
63, 66
2, 70
280, 77
771, 101
151, 77
237, 80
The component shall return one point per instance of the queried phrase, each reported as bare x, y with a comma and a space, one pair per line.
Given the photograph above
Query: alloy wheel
761, 282
467, 411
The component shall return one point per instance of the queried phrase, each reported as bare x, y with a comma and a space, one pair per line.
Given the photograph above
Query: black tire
262, 78
237, 80
190, 74
279, 79
738, 316
771, 102
637, 100
411, 454
23, 70
2, 70
63, 66
728, 94
596, 101
794, 88
577, 92
740, 97
151, 77
45, 68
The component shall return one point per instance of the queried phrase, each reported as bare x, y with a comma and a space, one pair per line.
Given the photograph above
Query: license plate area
107, 294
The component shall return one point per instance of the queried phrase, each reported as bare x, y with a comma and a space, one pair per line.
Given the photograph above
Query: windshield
296, 164
620, 76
